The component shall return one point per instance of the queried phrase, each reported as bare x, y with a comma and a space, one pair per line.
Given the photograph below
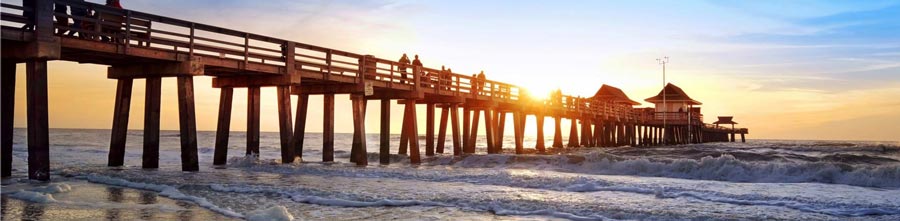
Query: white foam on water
54, 188
31, 196
164, 190
275, 213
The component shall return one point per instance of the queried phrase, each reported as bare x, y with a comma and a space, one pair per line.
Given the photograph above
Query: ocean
760, 179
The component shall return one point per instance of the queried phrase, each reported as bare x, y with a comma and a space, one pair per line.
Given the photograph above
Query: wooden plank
187, 124
328, 129
300, 125
429, 129
120, 123
359, 129
223, 129
384, 153
284, 124
454, 116
151, 123
413, 132
7, 109
442, 130
253, 94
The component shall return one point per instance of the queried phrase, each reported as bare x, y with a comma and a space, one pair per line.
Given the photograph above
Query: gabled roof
614, 94
674, 94
725, 120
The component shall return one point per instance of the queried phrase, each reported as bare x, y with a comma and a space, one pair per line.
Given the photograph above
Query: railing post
127, 30
246, 49
328, 63
289, 53
416, 78
191, 42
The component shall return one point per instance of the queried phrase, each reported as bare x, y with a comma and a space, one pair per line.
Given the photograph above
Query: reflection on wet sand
89, 201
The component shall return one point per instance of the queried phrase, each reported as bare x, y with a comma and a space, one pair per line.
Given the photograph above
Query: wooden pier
138, 45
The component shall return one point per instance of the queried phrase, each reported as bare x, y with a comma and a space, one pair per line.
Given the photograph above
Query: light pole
663, 61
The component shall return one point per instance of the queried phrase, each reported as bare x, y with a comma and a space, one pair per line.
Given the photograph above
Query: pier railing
254, 53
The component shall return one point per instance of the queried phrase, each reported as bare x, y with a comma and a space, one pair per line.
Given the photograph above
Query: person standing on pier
481, 81
404, 65
78, 13
114, 22
59, 12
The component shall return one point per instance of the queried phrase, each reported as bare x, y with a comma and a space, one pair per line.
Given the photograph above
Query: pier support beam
573, 134
223, 129
518, 126
467, 123
300, 124
500, 118
358, 145
412, 132
539, 143
187, 124
557, 133
384, 151
442, 131
404, 135
489, 124
359, 130
151, 123
328, 129
454, 116
120, 121
429, 129
38, 121
253, 94
7, 108
284, 124
473, 134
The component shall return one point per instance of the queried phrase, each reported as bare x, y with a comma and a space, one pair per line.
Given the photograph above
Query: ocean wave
722, 168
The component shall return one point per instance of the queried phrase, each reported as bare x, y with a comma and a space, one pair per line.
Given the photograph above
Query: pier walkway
138, 45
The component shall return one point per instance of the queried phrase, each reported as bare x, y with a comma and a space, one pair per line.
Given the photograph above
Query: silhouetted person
404, 65
481, 81
445, 78
114, 22
474, 83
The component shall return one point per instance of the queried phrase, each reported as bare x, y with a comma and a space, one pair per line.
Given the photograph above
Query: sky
827, 70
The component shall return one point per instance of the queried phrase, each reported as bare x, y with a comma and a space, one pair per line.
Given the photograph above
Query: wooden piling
413, 133
473, 133
384, 151
7, 109
573, 134
284, 124
454, 116
120, 122
489, 125
300, 124
404, 134
467, 124
187, 124
253, 95
150, 157
557, 132
539, 143
500, 118
518, 127
328, 129
223, 129
429, 129
359, 129
38, 121
442, 131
